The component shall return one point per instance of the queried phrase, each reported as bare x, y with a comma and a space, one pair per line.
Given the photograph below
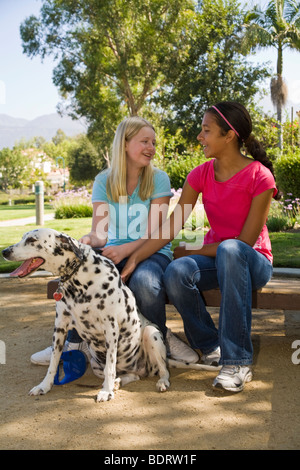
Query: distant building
39, 160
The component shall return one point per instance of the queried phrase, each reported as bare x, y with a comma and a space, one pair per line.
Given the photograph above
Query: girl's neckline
135, 189
233, 176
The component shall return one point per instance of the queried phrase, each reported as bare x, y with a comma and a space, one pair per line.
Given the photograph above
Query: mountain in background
14, 129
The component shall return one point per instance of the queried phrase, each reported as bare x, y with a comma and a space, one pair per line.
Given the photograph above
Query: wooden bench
278, 294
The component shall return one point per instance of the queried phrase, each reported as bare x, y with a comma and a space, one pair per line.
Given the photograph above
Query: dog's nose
6, 252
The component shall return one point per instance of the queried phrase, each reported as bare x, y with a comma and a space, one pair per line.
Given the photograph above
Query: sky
26, 88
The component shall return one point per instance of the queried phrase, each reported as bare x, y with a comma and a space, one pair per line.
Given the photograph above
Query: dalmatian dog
92, 298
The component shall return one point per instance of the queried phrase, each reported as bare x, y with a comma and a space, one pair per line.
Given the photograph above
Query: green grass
286, 249
286, 245
10, 235
21, 211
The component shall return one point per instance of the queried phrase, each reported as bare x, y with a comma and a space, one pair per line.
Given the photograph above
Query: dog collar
58, 294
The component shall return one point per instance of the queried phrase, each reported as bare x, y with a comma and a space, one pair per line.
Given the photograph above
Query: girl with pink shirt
236, 256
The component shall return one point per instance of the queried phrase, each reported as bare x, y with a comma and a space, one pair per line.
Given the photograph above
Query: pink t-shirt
227, 203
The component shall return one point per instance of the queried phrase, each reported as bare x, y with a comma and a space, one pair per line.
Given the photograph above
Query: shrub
279, 224
287, 170
180, 166
73, 204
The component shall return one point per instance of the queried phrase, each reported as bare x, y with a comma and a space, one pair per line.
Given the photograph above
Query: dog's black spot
87, 324
30, 240
58, 251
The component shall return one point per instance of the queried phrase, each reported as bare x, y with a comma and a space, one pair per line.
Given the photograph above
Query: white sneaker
233, 378
212, 359
178, 350
42, 358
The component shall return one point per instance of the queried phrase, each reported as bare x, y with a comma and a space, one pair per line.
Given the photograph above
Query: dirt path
190, 416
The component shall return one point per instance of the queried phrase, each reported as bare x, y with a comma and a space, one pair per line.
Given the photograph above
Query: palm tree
277, 25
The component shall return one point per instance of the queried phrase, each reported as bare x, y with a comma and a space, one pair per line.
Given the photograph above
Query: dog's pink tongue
27, 267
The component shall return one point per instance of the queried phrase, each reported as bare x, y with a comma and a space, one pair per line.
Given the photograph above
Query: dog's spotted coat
123, 344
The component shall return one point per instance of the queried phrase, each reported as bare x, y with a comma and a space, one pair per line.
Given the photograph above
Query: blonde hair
116, 181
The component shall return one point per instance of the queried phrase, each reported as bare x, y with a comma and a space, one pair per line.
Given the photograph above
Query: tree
278, 25
215, 70
112, 54
84, 162
13, 167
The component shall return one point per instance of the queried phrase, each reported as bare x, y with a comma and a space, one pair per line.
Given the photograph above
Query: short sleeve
162, 186
197, 177
99, 193
264, 180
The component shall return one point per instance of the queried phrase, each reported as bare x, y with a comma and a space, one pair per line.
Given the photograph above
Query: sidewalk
25, 221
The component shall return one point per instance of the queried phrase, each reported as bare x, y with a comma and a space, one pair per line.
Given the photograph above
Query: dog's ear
72, 245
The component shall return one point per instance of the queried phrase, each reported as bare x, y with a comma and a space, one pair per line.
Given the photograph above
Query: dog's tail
189, 365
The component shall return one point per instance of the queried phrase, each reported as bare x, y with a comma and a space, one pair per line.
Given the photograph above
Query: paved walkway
24, 221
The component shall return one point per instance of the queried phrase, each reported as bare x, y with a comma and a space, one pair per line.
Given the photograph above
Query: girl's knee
177, 271
230, 254
230, 248
171, 273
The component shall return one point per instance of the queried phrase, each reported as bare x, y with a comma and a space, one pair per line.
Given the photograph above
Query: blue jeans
237, 269
146, 283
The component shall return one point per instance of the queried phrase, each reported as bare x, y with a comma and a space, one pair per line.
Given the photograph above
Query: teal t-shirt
128, 219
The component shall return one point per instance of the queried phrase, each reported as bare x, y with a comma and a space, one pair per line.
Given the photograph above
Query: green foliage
13, 168
112, 55
287, 170
279, 224
179, 166
73, 204
214, 70
84, 162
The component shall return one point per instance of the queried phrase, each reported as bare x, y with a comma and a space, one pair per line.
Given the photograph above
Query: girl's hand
114, 253
92, 240
180, 250
128, 269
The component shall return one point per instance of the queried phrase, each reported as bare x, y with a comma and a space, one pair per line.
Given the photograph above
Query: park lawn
286, 245
286, 249
10, 235
21, 211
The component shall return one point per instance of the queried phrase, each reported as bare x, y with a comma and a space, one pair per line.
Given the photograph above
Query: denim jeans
237, 269
146, 283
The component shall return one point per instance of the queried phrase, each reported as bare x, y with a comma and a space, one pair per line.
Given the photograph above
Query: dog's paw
162, 385
105, 396
40, 389
117, 384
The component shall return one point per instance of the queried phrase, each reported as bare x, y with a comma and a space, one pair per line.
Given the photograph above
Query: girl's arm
157, 215
253, 226
98, 234
166, 232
